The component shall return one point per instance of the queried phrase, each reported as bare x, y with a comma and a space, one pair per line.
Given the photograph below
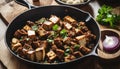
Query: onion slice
111, 44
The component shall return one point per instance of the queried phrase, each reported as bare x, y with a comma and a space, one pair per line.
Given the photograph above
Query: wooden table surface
8, 61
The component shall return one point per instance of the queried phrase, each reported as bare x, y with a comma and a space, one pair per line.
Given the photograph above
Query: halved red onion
111, 44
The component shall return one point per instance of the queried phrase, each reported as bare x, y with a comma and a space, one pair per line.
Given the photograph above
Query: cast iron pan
34, 13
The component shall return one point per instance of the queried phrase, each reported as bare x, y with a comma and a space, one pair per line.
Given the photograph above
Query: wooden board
9, 11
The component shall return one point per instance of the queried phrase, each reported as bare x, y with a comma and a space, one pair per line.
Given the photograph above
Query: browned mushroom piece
28, 47
68, 58
42, 32
84, 50
67, 40
51, 55
36, 44
77, 54
47, 25
43, 44
78, 32
16, 46
81, 24
71, 33
40, 54
30, 23
31, 55
60, 53
54, 47
58, 42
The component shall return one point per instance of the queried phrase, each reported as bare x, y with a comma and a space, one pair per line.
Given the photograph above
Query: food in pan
53, 40
73, 1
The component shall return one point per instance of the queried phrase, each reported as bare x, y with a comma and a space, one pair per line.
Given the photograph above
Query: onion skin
111, 44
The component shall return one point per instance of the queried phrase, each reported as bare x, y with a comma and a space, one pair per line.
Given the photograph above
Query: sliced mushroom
47, 25
40, 54
15, 40
16, 46
31, 55
68, 58
60, 53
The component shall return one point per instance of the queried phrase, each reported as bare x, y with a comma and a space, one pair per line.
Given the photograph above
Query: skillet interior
46, 11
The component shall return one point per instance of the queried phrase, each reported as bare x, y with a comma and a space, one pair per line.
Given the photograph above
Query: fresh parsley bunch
106, 17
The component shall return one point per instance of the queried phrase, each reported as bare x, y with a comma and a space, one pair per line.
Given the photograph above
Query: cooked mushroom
31, 55
40, 54
47, 25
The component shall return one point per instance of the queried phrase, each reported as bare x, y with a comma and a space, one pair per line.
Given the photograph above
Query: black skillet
34, 13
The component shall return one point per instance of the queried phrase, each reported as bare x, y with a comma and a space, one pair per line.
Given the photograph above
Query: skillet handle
25, 3
94, 53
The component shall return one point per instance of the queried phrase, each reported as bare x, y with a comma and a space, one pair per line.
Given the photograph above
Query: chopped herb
63, 33
21, 38
55, 27
49, 40
106, 17
66, 54
35, 27
67, 50
76, 47
42, 20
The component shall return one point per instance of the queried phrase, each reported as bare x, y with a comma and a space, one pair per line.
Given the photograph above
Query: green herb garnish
49, 40
35, 27
63, 33
76, 47
55, 27
42, 20
106, 17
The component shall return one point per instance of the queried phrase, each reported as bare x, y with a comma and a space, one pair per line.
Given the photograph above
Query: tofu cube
51, 55
27, 27
47, 25
68, 26
54, 19
69, 19
31, 33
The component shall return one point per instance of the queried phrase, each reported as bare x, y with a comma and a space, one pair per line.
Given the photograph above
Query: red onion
111, 44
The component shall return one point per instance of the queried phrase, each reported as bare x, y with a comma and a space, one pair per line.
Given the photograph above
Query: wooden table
9, 11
